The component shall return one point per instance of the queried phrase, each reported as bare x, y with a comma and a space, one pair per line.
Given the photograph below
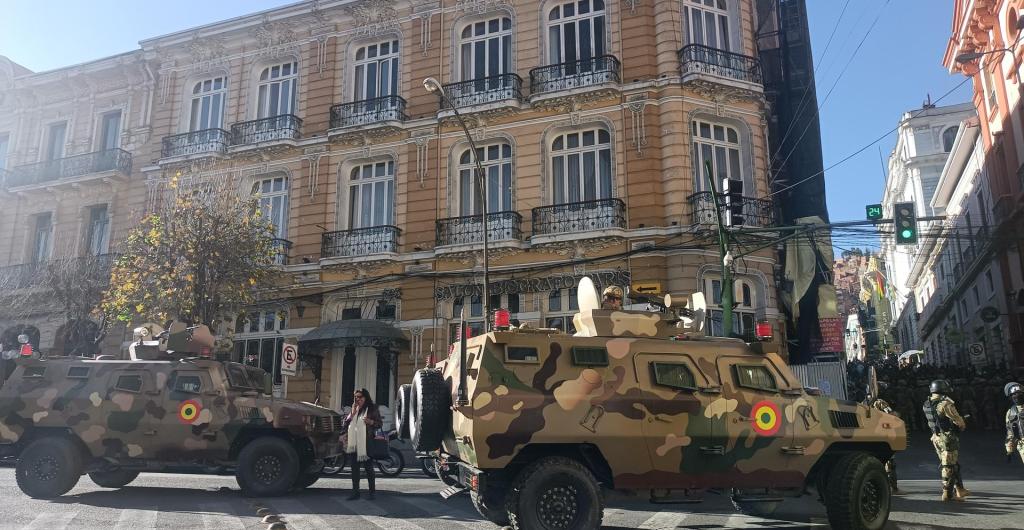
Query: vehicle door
194, 418
674, 425
756, 432
128, 431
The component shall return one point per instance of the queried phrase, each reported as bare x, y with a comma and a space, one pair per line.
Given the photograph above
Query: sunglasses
612, 297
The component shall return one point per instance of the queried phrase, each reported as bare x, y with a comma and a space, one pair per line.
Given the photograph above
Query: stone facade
587, 116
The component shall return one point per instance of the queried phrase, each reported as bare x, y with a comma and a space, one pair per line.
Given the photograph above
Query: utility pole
725, 258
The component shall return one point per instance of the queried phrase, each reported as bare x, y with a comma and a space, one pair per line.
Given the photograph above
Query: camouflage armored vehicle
112, 419
538, 424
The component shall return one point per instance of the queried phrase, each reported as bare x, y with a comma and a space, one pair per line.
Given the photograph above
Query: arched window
372, 195
706, 22
718, 144
273, 203
276, 93
497, 163
948, 137
485, 49
376, 70
581, 166
207, 111
576, 31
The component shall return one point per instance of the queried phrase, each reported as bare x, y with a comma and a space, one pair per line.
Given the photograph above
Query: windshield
245, 377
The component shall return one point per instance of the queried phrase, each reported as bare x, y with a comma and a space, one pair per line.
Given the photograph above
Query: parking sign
289, 359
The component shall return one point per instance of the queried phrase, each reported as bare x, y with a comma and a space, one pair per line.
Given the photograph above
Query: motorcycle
392, 466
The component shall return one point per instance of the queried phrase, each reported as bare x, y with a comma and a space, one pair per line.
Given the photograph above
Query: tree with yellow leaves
203, 255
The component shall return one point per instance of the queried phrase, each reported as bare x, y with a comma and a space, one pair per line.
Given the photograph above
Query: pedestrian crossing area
318, 510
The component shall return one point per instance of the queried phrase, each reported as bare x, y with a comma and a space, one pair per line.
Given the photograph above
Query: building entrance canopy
354, 333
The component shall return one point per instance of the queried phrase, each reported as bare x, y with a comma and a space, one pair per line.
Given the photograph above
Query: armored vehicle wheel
429, 409
117, 478
402, 411
48, 468
267, 467
490, 506
306, 480
858, 495
555, 493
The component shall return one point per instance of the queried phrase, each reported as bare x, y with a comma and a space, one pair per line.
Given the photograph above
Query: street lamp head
432, 85
969, 56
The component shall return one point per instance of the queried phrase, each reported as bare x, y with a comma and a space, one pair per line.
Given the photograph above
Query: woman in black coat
359, 427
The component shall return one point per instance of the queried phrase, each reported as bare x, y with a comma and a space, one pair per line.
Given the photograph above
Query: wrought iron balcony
503, 87
282, 249
72, 166
700, 59
468, 229
195, 143
368, 112
756, 212
360, 242
283, 127
39, 273
576, 217
577, 74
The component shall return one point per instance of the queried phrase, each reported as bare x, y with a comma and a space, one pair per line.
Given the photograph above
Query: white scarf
357, 436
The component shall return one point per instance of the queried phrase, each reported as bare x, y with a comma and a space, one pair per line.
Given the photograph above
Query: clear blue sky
895, 69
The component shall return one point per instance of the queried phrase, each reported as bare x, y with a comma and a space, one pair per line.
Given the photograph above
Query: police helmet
940, 386
1012, 388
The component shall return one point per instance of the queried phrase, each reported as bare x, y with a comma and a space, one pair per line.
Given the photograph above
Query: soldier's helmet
940, 386
1012, 388
612, 290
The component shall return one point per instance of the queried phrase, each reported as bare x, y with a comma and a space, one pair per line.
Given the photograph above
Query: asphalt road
411, 502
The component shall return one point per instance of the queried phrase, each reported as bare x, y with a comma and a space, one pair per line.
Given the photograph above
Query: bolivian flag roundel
189, 411
766, 418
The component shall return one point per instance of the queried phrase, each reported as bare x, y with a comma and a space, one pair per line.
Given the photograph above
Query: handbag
377, 447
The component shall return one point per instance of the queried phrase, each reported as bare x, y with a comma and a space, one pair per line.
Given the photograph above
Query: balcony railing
368, 112
468, 229
504, 87
195, 142
282, 249
283, 127
577, 74
700, 59
360, 242
35, 274
72, 166
579, 217
756, 212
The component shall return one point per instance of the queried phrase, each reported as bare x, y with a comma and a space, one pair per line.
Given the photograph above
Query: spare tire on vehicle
429, 409
402, 411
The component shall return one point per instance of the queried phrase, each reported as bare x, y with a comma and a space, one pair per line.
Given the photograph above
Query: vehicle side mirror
268, 384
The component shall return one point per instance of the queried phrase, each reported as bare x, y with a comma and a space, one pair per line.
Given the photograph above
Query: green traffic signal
905, 221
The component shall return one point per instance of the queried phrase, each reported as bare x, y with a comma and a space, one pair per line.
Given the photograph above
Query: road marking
376, 515
442, 511
298, 515
664, 521
52, 521
131, 519
216, 517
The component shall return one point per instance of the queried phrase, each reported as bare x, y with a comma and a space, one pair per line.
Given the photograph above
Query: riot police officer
1015, 420
946, 425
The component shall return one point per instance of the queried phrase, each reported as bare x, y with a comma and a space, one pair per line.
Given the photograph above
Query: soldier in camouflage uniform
946, 424
890, 465
1015, 421
612, 298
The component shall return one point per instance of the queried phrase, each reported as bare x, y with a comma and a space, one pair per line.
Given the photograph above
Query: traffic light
732, 189
905, 220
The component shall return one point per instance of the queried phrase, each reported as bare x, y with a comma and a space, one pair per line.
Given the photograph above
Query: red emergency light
763, 330
26, 350
502, 319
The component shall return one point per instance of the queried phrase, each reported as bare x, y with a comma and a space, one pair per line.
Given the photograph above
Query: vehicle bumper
470, 477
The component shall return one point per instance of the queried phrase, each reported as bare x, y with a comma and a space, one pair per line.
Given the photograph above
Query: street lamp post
433, 86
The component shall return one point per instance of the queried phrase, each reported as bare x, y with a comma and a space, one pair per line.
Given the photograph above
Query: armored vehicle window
34, 371
244, 377
188, 383
755, 377
521, 354
582, 356
673, 375
129, 383
78, 372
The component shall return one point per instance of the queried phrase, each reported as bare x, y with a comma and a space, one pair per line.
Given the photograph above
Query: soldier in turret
946, 425
612, 298
1015, 421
